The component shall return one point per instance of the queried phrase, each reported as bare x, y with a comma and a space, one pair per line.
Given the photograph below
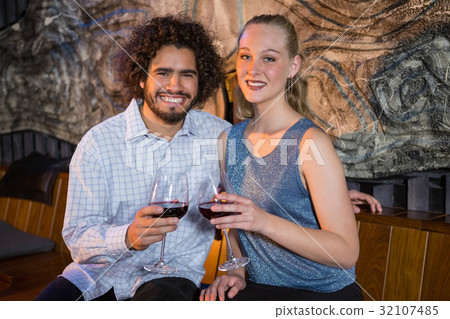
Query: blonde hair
296, 88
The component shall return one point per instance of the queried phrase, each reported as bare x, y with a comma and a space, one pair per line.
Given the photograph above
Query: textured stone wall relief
50, 72
379, 81
412, 100
378, 70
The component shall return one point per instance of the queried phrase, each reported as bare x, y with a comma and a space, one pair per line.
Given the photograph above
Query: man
108, 226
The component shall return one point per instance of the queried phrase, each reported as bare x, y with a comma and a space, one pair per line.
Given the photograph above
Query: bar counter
404, 255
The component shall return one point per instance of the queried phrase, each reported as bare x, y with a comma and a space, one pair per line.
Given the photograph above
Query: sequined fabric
273, 182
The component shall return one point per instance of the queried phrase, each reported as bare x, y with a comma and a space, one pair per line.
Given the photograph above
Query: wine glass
170, 191
207, 197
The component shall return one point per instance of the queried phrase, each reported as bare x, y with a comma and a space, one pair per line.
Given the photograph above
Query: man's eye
245, 57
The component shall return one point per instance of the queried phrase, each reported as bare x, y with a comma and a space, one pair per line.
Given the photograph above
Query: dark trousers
260, 292
166, 288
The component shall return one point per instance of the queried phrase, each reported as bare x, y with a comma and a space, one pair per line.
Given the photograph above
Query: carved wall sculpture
378, 70
379, 82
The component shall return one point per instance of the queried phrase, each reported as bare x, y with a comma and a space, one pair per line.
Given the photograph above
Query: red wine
172, 209
205, 210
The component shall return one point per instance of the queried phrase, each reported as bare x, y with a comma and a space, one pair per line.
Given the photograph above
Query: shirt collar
136, 126
190, 125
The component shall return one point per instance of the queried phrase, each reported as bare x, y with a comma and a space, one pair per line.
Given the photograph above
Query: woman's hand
232, 283
248, 216
359, 198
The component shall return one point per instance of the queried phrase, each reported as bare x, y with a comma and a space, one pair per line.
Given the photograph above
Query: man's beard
170, 116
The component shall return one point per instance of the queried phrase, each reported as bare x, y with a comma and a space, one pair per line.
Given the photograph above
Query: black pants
166, 288
260, 292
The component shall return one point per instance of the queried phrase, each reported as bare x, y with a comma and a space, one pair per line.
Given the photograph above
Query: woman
296, 221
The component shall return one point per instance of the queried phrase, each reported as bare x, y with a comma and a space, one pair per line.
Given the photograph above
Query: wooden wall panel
34, 220
59, 197
405, 264
37, 218
436, 279
22, 213
373, 256
217, 255
4, 206
11, 213
212, 262
222, 256
49, 212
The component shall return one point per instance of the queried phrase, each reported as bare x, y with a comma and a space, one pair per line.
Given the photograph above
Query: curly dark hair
145, 42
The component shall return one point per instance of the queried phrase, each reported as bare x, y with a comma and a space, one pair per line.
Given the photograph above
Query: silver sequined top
273, 182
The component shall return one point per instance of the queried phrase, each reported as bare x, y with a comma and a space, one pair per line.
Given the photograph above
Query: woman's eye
245, 57
269, 59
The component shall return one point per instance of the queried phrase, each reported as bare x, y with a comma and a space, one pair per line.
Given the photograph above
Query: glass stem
163, 244
228, 244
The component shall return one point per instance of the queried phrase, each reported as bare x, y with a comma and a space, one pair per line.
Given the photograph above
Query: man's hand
146, 230
359, 198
